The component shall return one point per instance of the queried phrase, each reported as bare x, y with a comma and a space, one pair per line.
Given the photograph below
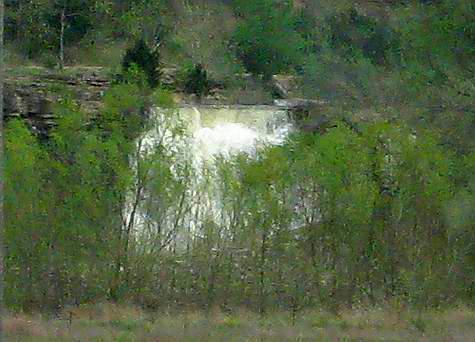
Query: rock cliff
30, 93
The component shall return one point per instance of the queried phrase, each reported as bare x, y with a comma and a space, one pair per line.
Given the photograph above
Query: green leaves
141, 59
266, 40
65, 198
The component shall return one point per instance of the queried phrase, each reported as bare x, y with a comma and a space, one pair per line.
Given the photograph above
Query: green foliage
124, 110
25, 166
135, 75
352, 31
142, 58
162, 98
37, 24
460, 217
73, 205
118, 207
76, 186
347, 83
49, 61
196, 80
139, 19
265, 39
202, 36
368, 215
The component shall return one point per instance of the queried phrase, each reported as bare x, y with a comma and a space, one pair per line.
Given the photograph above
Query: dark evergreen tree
197, 81
146, 59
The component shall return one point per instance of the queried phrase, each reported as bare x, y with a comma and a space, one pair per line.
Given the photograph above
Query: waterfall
204, 133
228, 130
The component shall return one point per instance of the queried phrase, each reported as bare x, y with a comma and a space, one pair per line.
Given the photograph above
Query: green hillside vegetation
377, 211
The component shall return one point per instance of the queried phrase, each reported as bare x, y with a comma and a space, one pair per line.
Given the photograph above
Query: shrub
202, 36
134, 74
352, 31
146, 59
329, 76
196, 80
124, 110
92, 51
162, 98
49, 61
266, 41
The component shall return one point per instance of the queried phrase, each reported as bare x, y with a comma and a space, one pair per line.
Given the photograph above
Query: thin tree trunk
61, 40
262, 299
2, 175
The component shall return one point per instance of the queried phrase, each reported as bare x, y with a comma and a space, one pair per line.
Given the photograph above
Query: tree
196, 81
25, 225
145, 58
352, 31
265, 39
27, 21
49, 26
64, 15
71, 19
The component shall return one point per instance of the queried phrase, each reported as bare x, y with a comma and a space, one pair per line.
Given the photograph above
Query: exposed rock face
32, 95
169, 78
307, 114
284, 86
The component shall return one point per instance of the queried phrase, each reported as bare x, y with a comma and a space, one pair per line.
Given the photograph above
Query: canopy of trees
345, 217
366, 213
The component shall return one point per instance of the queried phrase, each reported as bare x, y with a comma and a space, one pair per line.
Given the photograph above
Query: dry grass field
108, 322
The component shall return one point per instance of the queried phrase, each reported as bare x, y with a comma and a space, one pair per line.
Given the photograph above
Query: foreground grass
120, 323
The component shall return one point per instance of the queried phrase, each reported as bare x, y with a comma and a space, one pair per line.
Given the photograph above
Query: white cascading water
214, 131
228, 130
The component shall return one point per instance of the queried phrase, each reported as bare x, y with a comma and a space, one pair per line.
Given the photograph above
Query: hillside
406, 59
278, 169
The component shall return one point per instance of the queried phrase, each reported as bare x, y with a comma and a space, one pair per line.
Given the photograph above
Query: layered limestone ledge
31, 94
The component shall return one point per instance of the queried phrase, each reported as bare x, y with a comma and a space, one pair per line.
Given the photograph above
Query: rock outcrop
284, 86
31, 93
